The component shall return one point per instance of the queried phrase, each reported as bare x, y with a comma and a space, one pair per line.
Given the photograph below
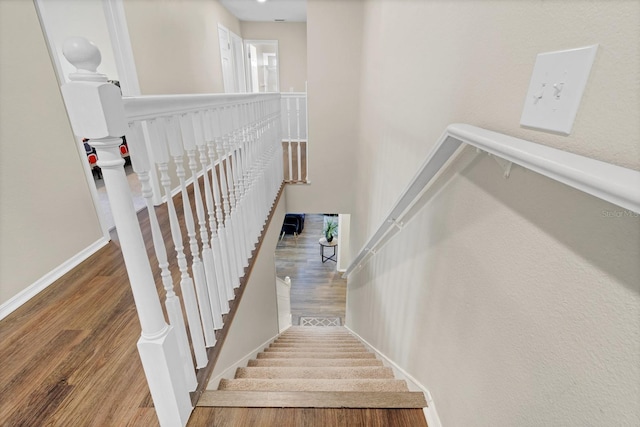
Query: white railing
615, 184
294, 136
231, 144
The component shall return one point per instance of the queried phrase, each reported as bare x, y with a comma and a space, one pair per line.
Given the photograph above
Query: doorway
263, 73
317, 288
232, 60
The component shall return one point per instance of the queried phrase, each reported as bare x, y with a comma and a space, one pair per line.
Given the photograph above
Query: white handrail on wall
615, 184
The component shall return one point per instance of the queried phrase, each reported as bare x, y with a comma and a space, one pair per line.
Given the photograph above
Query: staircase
314, 367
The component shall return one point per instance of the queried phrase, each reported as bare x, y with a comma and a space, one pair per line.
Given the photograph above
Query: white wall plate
557, 83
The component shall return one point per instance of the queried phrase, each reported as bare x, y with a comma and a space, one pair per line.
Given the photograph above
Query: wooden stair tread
306, 384
312, 399
323, 372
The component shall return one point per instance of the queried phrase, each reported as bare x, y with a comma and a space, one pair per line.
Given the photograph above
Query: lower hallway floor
317, 288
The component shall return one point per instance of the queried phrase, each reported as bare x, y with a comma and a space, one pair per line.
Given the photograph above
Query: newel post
96, 112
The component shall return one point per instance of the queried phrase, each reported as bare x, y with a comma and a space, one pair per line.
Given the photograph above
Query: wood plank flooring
68, 357
317, 288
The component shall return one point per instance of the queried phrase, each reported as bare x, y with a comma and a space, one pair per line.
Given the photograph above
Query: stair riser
302, 355
314, 362
336, 342
317, 334
315, 349
316, 337
318, 343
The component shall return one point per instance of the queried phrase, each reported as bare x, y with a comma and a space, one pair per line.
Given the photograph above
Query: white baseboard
230, 372
414, 385
32, 290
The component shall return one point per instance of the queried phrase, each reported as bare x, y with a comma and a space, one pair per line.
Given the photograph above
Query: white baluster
225, 227
242, 157
306, 145
96, 112
238, 168
299, 177
221, 269
289, 152
174, 309
226, 149
210, 294
236, 184
223, 167
186, 283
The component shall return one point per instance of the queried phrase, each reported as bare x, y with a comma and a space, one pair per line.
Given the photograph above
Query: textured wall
292, 49
515, 302
175, 44
46, 212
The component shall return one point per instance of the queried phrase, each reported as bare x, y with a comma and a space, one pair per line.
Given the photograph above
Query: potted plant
330, 230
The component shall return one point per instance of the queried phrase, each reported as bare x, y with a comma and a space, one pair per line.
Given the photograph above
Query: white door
226, 59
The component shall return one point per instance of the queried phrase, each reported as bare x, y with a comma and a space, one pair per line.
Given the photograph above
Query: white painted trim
414, 385
32, 290
116, 18
612, 183
230, 372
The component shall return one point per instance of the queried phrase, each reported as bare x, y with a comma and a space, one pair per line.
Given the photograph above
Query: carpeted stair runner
314, 367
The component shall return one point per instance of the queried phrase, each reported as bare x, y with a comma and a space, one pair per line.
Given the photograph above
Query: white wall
175, 44
256, 320
334, 45
515, 302
46, 212
344, 242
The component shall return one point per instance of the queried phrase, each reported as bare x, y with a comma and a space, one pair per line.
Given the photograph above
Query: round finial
85, 56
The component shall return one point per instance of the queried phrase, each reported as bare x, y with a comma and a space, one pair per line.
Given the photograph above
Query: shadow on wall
605, 235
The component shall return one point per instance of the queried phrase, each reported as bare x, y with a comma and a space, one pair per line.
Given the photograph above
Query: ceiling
270, 10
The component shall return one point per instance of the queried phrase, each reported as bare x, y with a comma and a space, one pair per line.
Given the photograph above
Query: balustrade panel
293, 125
